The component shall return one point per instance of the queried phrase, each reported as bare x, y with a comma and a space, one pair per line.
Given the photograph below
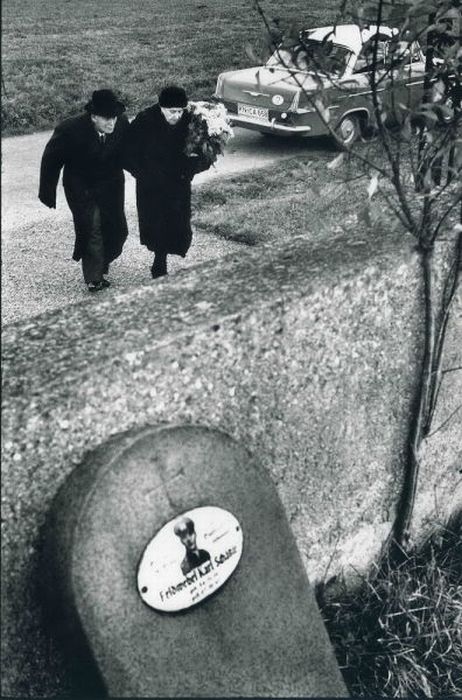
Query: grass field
300, 192
56, 52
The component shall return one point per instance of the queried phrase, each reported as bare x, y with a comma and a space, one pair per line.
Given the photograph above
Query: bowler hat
105, 104
173, 96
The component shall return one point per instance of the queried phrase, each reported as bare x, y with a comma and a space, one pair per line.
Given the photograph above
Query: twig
446, 214
420, 413
445, 422
449, 292
395, 211
452, 369
331, 558
4, 88
395, 179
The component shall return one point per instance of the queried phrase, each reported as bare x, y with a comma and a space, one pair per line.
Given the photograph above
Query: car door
358, 85
415, 76
385, 64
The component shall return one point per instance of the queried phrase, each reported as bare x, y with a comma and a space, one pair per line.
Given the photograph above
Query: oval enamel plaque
189, 558
277, 100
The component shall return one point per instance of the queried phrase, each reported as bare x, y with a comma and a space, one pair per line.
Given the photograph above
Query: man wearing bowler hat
155, 156
89, 148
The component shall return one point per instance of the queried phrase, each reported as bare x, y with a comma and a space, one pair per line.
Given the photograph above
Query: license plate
255, 112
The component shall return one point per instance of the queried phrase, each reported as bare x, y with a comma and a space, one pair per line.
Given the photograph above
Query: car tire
347, 131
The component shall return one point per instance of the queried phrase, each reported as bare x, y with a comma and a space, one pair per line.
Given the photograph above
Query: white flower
215, 116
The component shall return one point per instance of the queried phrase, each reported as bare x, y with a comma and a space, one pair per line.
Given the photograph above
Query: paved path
21, 162
38, 274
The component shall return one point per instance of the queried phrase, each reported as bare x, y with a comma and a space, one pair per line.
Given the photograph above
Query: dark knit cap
173, 96
104, 104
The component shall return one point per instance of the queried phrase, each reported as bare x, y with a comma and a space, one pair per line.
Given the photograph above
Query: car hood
258, 86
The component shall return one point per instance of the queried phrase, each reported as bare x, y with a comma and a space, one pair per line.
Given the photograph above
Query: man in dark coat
89, 147
155, 156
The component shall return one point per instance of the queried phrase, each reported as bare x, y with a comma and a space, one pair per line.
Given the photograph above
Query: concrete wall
307, 357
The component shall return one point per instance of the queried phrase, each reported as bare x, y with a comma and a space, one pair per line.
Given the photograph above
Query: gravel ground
34, 282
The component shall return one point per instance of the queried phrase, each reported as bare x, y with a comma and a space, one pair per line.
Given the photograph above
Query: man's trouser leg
93, 257
159, 266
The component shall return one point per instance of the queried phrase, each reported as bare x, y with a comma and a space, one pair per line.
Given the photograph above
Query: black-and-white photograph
231, 348
194, 557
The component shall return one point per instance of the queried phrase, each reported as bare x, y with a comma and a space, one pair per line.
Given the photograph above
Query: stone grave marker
176, 565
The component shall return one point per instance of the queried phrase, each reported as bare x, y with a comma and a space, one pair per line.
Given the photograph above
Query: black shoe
158, 272
105, 283
159, 266
95, 286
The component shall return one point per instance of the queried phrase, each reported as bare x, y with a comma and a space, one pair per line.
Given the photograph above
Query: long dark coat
155, 157
92, 176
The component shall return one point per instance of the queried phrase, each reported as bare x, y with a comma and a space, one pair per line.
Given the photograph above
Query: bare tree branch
444, 423
396, 180
452, 369
449, 291
394, 209
444, 216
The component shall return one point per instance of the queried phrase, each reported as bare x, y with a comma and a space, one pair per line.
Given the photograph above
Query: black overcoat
155, 157
92, 176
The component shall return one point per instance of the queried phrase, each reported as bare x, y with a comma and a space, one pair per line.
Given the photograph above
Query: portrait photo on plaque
189, 558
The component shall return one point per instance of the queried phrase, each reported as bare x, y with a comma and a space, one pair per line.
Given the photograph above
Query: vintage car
322, 83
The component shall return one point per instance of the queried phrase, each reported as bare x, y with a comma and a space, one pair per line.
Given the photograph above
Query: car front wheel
347, 131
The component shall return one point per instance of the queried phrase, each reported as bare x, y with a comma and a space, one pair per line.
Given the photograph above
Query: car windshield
311, 55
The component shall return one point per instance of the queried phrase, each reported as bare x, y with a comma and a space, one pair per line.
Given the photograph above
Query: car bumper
271, 127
